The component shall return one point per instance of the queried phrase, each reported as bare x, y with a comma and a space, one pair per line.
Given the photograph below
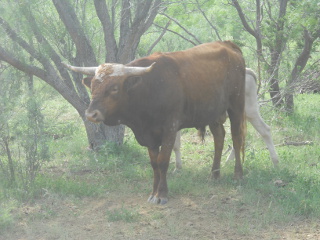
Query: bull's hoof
163, 201
153, 199
156, 200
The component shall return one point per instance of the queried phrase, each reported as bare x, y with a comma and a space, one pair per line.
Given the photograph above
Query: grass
68, 187
123, 214
6, 216
76, 172
299, 168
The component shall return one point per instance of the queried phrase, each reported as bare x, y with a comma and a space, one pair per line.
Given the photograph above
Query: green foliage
22, 137
41, 127
68, 186
214, 13
272, 196
280, 35
299, 166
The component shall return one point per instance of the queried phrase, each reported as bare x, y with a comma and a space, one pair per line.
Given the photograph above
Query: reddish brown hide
160, 94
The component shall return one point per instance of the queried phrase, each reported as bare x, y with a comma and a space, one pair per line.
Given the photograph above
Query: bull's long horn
136, 71
84, 70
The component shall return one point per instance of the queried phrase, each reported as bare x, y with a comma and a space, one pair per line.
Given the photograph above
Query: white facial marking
109, 69
99, 74
117, 70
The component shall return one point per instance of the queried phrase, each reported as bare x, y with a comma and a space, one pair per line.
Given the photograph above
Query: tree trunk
298, 68
10, 160
99, 134
275, 48
135, 18
273, 72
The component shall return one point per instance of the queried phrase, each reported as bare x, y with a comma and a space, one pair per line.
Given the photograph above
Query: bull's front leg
153, 154
160, 163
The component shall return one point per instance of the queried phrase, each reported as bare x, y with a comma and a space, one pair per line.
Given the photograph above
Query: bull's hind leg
218, 132
238, 124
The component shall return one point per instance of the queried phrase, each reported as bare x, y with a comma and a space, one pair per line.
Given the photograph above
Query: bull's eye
111, 90
114, 89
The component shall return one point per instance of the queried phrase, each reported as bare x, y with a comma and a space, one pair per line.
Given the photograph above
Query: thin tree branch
10, 160
297, 69
124, 26
159, 38
310, 143
108, 30
180, 25
46, 45
303, 57
49, 75
130, 34
72, 24
155, 8
211, 25
143, 19
28, 69
236, 4
15, 37
188, 40
141, 12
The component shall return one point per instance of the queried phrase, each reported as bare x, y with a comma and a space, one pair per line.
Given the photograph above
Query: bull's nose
94, 116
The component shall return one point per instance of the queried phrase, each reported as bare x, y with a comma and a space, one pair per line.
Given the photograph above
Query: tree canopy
39, 35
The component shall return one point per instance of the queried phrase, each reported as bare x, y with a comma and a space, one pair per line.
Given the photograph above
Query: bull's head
107, 84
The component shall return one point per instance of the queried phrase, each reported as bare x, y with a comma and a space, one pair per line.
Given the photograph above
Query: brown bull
160, 94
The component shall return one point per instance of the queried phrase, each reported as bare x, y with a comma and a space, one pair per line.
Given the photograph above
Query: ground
129, 216
124, 213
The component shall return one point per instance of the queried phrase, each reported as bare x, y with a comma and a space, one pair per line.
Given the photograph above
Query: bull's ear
131, 82
87, 81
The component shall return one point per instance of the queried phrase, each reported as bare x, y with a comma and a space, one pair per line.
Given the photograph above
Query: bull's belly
202, 119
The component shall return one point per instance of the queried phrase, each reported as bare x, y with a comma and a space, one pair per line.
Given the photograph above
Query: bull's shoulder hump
158, 57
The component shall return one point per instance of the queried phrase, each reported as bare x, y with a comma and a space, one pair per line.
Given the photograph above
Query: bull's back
208, 68
196, 83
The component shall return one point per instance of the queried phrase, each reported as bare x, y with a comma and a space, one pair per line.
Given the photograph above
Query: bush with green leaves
22, 131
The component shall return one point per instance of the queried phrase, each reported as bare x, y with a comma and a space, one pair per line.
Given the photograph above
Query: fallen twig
295, 143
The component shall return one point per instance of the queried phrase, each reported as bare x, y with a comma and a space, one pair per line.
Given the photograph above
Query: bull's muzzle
94, 116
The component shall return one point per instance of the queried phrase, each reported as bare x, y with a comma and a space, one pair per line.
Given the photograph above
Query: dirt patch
129, 216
